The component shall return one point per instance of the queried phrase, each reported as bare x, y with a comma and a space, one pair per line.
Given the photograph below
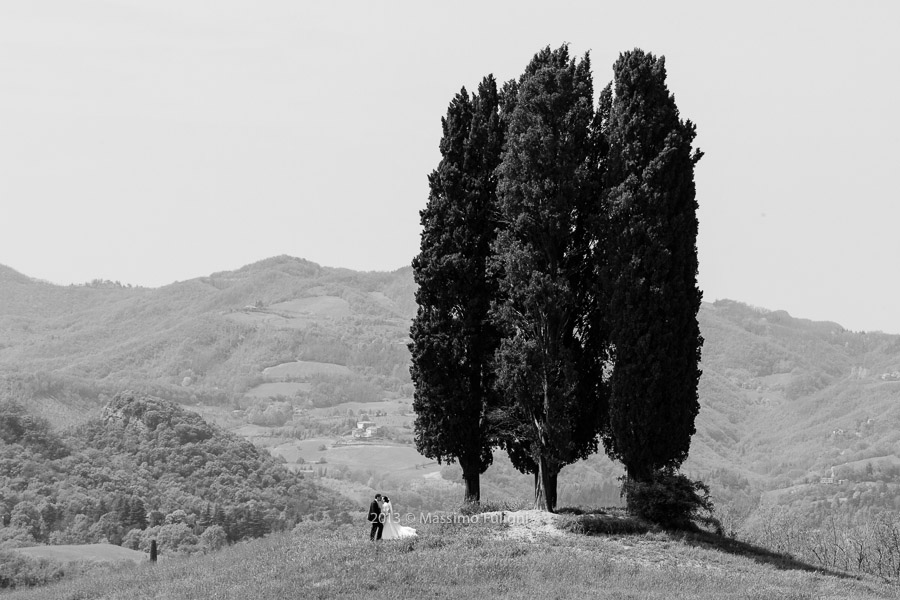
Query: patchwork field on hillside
274, 389
304, 368
328, 306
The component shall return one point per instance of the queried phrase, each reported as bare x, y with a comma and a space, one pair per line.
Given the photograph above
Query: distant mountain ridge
206, 339
11, 275
774, 388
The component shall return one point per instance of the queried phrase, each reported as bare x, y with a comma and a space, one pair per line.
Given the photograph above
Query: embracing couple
384, 522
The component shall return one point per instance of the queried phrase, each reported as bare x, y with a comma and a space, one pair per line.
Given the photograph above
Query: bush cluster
671, 500
18, 571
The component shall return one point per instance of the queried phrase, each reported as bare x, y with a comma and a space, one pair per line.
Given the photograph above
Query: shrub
176, 538
671, 500
599, 524
213, 538
132, 539
18, 571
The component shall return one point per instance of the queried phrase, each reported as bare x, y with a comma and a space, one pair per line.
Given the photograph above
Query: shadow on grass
602, 522
618, 522
704, 539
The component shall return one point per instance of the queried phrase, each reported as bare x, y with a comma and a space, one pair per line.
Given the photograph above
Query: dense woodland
147, 469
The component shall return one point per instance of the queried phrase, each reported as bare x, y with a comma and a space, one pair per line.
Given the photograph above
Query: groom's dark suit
375, 519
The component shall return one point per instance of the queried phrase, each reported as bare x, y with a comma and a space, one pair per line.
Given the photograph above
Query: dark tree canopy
649, 273
550, 357
453, 341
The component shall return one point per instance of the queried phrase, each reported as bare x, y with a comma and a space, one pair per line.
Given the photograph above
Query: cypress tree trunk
540, 496
639, 473
545, 486
472, 479
552, 478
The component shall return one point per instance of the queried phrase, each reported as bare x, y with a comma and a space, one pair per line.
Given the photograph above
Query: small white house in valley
365, 429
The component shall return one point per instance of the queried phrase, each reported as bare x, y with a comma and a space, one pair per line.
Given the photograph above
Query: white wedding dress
392, 529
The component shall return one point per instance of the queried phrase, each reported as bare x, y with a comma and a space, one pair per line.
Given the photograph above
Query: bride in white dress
392, 529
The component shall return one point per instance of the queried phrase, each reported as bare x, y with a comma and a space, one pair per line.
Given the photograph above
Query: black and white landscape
602, 297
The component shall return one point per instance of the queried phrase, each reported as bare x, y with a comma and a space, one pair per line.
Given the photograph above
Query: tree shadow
617, 521
707, 540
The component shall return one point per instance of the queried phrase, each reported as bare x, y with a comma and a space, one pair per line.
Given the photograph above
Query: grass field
329, 306
468, 560
388, 406
255, 318
252, 432
100, 553
304, 368
399, 413
387, 458
270, 390
308, 449
400, 461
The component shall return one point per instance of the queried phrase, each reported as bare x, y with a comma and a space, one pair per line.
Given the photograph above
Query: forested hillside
786, 399
145, 469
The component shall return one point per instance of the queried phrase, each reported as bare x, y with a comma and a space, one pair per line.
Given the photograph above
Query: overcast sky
160, 140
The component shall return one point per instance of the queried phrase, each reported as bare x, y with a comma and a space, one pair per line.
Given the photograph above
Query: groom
375, 518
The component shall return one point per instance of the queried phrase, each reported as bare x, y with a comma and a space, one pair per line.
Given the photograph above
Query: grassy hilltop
480, 560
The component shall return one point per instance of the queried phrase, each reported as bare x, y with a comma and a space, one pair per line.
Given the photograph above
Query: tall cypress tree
453, 341
137, 515
549, 363
650, 270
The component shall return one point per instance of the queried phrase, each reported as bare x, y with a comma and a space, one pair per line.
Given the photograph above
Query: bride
392, 529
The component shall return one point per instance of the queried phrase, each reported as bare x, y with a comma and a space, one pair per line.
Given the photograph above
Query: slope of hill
208, 339
95, 553
8, 275
146, 469
783, 399
478, 560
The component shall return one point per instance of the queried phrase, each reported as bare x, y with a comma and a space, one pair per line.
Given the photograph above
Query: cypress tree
650, 269
139, 513
549, 363
206, 517
453, 339
219, 517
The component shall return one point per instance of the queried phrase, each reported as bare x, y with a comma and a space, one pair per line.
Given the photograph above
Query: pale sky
149, 141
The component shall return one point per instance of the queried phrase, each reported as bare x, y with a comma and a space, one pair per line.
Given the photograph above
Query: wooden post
152, 550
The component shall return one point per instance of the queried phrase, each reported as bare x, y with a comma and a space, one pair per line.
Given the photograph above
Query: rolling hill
209, 339
146, 468
783, 399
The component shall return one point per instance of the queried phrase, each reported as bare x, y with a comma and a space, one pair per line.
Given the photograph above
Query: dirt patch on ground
636, 550
525, 525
